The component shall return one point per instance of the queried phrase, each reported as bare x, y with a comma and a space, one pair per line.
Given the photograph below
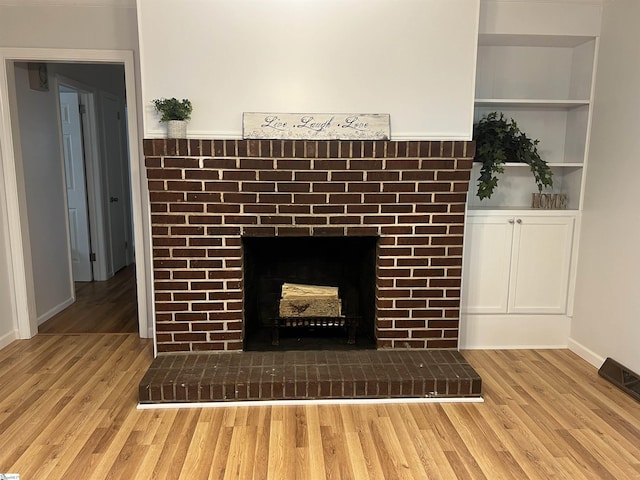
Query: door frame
19, 254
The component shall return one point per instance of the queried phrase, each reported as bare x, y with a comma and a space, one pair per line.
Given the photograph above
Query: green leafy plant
499, 140
173, 109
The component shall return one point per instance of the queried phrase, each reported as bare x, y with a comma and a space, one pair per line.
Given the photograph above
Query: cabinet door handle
519, 220
511, 221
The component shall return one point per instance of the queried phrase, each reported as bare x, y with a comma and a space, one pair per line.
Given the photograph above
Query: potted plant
499, 140
175, 113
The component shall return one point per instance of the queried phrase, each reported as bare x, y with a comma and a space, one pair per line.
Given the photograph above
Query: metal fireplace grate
350, 324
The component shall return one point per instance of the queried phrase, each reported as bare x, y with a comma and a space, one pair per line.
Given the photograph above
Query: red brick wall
206, 194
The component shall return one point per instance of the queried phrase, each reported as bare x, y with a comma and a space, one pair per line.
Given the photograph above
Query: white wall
413, 59
68, 26
607, 305
45, 195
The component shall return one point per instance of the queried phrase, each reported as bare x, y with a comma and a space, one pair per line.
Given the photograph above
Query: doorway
24, 276
104, 302
95, 170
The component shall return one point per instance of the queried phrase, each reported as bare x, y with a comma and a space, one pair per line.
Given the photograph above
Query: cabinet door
540, 266
487, 259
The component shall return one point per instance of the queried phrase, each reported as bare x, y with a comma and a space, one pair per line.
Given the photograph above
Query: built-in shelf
545, 84
551, 164
517, 183
530, 102
520, 40
528, 210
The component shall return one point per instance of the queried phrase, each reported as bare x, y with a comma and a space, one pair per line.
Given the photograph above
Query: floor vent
621, 377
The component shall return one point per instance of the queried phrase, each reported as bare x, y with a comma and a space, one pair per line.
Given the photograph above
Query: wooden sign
550, 201
315, 126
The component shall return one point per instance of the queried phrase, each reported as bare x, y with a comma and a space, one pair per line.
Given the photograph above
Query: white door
487, 260
542, 260
76, 186
118, 197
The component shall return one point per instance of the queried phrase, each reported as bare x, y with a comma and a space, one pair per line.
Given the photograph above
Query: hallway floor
100, 307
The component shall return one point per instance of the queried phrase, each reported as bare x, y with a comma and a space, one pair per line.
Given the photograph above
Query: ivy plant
499, 140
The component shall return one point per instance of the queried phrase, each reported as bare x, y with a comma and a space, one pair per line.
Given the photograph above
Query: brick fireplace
207, 196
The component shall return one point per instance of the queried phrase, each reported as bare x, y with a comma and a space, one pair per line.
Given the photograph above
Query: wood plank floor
100, 307
68, 410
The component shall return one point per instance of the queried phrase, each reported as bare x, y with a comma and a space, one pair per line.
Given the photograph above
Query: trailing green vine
499, 140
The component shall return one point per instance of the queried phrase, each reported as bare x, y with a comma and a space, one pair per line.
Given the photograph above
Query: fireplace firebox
347, 263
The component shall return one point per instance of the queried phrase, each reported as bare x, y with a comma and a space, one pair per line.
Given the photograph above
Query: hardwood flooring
68, 410
100, 307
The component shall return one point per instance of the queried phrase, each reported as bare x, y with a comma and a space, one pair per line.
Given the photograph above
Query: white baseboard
303, 402
586, 354
504, 332
7, 338
55, 310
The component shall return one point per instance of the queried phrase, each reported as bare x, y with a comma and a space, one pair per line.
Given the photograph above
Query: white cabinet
545, 83
487, 263
517, 264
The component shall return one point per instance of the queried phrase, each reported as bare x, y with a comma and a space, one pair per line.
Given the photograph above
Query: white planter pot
177, 129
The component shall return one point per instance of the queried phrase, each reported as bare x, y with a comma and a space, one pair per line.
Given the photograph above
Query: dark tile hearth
293, 375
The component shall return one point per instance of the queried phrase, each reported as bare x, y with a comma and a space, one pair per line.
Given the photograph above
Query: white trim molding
586, 354
7, 338
55, 310
236, 135
308, 402
502, 332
